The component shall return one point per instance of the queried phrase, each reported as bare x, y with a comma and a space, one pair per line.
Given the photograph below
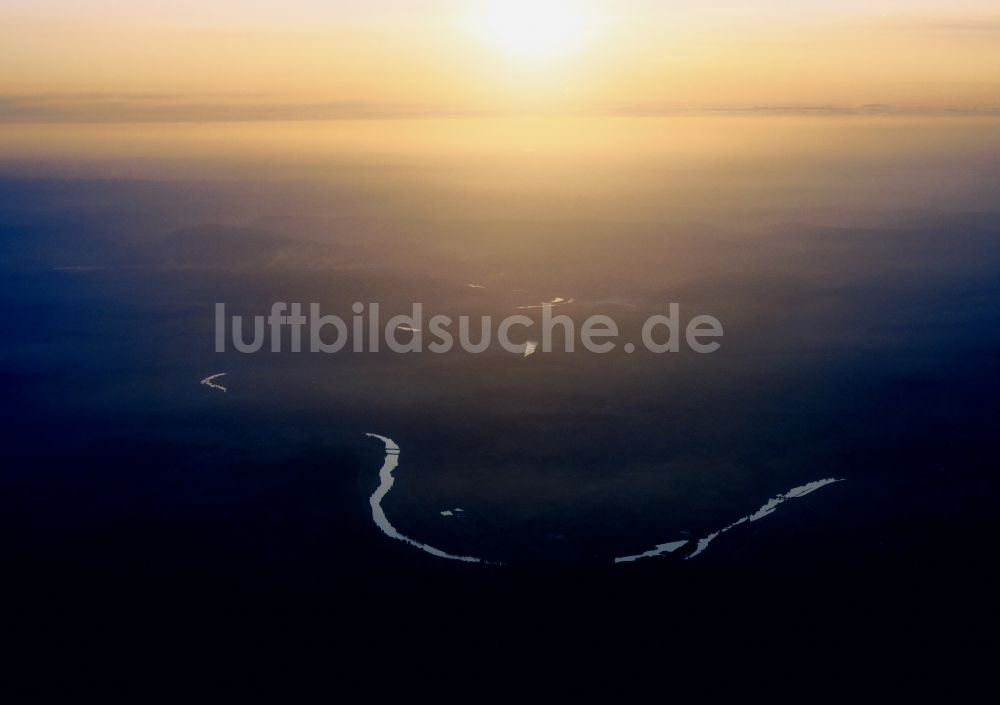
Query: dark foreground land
153, 524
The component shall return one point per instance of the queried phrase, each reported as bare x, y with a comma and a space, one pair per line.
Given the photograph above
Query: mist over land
844, 324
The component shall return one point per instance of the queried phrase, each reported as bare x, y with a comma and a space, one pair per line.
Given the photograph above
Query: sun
535, 30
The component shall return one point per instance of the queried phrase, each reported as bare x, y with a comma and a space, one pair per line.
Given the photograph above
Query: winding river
386, 481
391, 462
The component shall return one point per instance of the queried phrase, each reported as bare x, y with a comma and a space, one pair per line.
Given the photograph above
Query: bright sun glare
535, 30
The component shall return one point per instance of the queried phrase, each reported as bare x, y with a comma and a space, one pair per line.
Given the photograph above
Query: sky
97, 60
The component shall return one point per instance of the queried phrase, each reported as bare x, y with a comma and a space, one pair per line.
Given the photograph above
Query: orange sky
93, 60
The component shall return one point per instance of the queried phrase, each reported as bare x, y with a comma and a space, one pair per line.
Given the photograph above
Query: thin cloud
178, 108
106, 107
